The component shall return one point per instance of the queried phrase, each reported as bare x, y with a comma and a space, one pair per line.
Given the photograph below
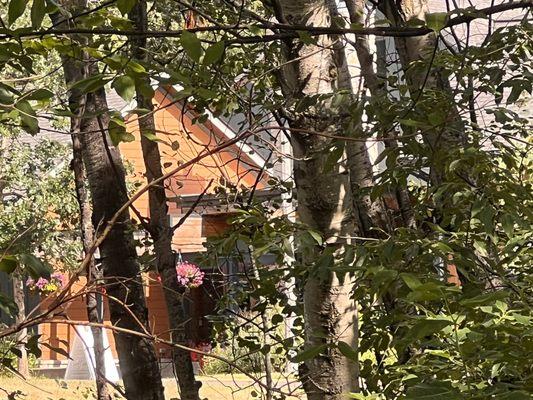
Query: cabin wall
199, 302
181, 141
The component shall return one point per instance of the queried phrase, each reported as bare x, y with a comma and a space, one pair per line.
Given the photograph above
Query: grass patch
234, 387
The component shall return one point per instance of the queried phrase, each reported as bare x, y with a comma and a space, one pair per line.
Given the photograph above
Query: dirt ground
216, 387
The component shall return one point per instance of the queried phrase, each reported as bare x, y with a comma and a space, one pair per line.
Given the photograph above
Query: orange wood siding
59, 335
191, 139
62, 336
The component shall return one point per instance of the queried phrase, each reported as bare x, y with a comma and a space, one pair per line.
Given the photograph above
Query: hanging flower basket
189, 275
45, 286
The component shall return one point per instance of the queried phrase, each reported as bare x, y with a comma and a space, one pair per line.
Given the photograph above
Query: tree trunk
444, 139
371, 213
93, 273
160, 228
356, 12
415, 49
324, 204
106, 176
22, 336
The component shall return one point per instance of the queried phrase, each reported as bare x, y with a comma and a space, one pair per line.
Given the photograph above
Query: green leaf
125, 6
32, 346
308, 354
513, 395
432, 391
35, 267
136, 69
484, 299
481, 248
443, 247
16, 9
58, 350
125, 87
28, 117
8, 264
144, 88
152, 136
412, 122
347, 350
39, 94
410, 280
516, 91
16, 352
486, 216
316, 236
38, 11
91, 83
277, 319
323, 264
436, 21
6, 94
333, 157
118, 132
214, 53
507, 222
192, 45
426, 327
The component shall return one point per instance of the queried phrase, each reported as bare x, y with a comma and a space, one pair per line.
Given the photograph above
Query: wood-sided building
181, 138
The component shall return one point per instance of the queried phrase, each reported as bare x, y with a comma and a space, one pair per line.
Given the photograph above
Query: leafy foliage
420, 336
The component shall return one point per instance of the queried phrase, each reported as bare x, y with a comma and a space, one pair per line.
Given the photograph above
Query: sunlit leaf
16, 9
309, 353
125, 87
192, 45
38, 11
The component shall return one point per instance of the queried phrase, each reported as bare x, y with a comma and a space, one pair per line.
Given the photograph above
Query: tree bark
265, 327
442, 140
22, 336
415, 49
105, 173
106, 176
372, 214
87, 237
159, 224
356, 12
325, 204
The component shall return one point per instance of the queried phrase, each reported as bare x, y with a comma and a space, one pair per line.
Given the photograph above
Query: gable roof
258, 151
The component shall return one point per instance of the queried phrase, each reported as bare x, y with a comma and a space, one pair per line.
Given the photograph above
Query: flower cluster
56, 282
189, 275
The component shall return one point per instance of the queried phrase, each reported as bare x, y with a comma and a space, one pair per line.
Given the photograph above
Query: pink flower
41, 283
189, 274
56, 282
60, 278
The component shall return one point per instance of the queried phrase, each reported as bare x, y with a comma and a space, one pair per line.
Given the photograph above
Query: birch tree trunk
160, 228
378, 94
442, 140
371, 213
411, 51
106, 177
324, 203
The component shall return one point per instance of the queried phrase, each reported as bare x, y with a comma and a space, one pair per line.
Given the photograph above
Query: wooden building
180, 138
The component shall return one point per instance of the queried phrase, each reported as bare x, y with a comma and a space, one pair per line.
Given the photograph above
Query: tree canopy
394, 260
